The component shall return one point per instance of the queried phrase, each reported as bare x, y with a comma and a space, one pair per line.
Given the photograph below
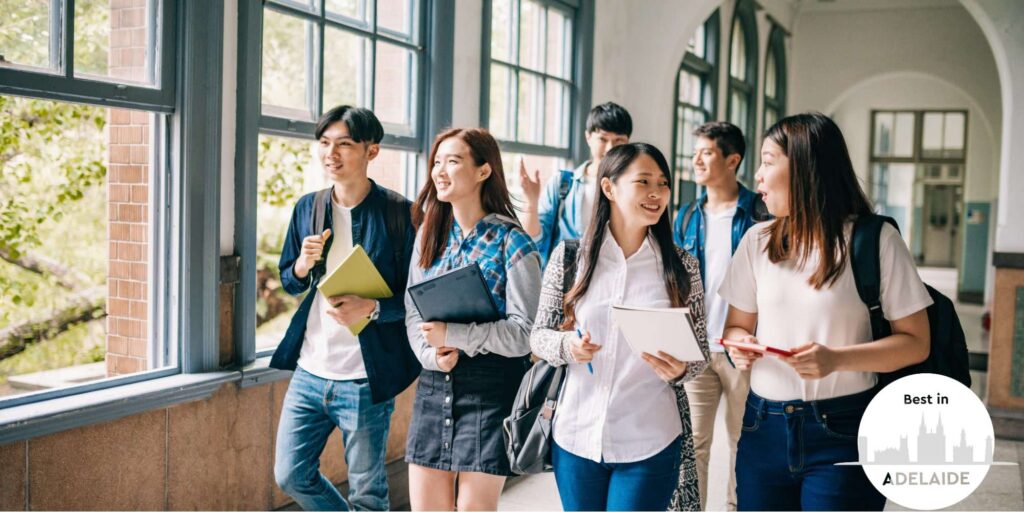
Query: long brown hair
613, 166
435, 217
823, 195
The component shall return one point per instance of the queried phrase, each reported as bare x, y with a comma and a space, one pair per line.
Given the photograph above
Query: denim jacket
390, 363
691, 238
570, 225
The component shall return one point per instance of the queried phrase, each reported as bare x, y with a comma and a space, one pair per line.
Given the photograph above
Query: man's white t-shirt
790, 312
589, 198
330, 351
717, 256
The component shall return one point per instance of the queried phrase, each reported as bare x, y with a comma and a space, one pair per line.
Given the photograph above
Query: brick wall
128, 196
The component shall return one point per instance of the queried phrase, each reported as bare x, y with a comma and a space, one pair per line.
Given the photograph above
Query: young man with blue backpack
564, 210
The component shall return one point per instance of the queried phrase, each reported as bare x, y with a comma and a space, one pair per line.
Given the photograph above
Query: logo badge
926, 441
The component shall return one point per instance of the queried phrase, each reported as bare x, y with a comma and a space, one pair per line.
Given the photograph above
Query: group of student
630, 432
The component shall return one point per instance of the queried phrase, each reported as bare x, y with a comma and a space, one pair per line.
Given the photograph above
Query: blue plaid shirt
496, 243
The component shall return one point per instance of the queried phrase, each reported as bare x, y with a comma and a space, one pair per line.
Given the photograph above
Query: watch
376, 311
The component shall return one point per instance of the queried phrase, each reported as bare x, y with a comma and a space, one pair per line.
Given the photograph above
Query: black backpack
948, 355
528, 428
396, 220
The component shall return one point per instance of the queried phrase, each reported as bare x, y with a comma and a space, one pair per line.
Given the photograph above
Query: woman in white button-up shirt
622, 437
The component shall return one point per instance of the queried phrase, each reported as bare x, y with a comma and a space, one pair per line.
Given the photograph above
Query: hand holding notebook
653, 330
355, 275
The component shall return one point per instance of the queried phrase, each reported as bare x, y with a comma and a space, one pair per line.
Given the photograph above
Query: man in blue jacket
710, 228
342, 380
563, 213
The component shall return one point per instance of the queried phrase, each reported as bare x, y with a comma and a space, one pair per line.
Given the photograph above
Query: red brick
120, 269
119, 193
140, 194
139, 117
138, 348
127, 365
117, 345
119, 231
119, 116
139, 154
132, 18
138, 310
120, 154
138, 37
138, 232
138, 271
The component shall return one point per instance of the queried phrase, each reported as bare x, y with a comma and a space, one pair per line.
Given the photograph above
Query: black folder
459, 296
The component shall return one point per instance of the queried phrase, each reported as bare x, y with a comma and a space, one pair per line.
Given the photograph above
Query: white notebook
650, 330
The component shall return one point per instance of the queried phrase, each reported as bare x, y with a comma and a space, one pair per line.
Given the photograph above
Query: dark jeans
787, 453
643, 485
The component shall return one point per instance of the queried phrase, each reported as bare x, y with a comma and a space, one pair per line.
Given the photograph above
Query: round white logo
926, 441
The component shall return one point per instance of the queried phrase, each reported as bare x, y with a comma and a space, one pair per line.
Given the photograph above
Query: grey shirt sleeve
509, 337
424, 352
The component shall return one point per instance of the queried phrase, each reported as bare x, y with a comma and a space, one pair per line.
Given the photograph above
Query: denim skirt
457, 417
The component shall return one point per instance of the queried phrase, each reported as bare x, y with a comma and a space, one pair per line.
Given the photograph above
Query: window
743, 80
530, 87
317, 55
84, 196
916, 157
775, 77
694, 104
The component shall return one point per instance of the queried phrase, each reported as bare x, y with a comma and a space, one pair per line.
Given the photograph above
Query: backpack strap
319, 218
396, 221
564, 184
687, 214
867, 272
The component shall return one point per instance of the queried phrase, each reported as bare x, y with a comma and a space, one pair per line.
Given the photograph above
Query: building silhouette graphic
931, 448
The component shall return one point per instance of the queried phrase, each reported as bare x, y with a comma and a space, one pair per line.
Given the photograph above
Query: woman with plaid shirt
471, 372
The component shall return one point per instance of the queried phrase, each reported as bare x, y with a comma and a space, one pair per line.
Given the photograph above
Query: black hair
363, 125
613, 166
727, 136
610, 117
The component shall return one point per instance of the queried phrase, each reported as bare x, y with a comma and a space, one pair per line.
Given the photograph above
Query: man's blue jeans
787, 453
643, 485
312, 409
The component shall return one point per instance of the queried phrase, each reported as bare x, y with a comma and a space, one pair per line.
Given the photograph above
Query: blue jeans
787, 453
643, 485
312, 409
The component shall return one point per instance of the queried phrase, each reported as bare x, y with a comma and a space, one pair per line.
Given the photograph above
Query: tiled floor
1003, 488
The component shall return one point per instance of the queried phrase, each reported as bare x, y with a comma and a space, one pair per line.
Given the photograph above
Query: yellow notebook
355, 275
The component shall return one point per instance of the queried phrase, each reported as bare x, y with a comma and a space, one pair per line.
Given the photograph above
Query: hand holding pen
583, 350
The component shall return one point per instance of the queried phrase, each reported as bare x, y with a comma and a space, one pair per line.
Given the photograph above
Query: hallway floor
1003, 488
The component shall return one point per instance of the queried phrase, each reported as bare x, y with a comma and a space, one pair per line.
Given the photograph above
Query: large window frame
775, 101
187, 88
581, 12
744, 19
434, 43
706, 68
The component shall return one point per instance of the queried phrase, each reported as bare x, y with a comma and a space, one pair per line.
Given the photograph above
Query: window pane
354, 9
771, 116
501, 102
287, 169
953, 140
904, 141
347, 69
312, 6
556, 114
393, 87
397, 170
76, 244
530, 114
547, 165
287, 65
112, 40
892, 190
770, 85
739, 108
696, 43
501, 30
530, 35
738, 53
25, 34
931, 136
395, 16
689, 88
894, 134
559, 44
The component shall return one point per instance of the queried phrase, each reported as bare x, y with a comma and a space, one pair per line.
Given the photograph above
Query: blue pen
590, 367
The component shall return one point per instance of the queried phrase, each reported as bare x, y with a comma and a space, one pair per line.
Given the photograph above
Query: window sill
55, 415
58, 414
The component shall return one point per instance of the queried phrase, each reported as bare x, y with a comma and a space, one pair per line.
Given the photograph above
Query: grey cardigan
551, 344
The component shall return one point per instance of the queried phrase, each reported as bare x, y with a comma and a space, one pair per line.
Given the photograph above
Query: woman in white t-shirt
791, 286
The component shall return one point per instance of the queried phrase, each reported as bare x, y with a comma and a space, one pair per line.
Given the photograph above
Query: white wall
911, 90
1002, 22
833, 51
468, 61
